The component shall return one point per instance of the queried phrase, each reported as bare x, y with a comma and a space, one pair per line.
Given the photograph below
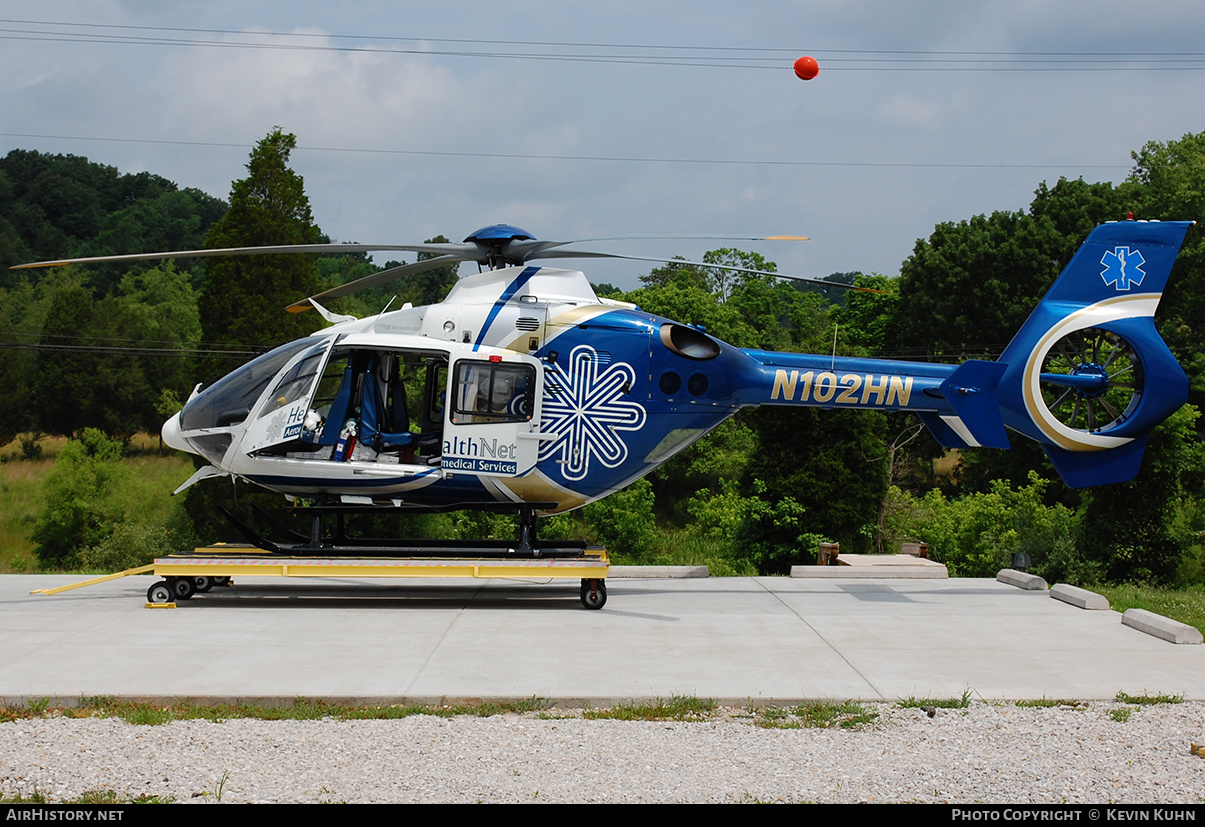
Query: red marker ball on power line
806, 68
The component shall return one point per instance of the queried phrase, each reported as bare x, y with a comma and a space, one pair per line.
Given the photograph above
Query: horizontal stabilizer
947, 430
971, 391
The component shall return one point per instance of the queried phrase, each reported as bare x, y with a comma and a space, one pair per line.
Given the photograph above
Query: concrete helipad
731, 639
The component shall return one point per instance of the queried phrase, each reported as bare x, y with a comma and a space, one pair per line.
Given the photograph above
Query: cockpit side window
296, 382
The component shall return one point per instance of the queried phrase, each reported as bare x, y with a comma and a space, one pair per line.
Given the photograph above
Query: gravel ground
987, 753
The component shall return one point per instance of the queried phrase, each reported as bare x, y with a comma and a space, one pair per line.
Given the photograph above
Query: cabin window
492, 392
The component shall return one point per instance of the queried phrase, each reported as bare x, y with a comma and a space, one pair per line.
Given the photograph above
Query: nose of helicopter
171, 435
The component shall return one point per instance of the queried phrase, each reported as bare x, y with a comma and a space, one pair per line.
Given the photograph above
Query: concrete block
1160, 626
652, 572
1079, 597
936, 572
1029, 582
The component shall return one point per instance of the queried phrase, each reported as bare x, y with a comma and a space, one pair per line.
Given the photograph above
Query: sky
588, 120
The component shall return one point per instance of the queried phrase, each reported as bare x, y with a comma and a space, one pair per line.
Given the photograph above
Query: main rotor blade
562, 253
464, 251
675, 237
373, 280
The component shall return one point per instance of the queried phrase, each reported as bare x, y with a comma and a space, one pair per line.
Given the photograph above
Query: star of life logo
1123, 268
584, 407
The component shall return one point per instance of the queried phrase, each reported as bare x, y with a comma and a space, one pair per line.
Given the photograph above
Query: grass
817, 715
1147, 700
20, 496
687, 547
96, 797
1186, 605
677, 708
146, 714
1047, 703
144, 494
936, 703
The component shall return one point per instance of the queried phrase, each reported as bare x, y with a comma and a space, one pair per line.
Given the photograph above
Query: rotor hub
1092, 370
494, 242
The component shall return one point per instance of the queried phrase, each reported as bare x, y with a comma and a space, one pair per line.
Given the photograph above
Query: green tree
675, 270
59, 206
976, 535
869, 313
163, 307
244, 296
684, 299
966, 290
1168, 182
430, 286
830, 463
722, 282
15, 366
1075, 207
65, 387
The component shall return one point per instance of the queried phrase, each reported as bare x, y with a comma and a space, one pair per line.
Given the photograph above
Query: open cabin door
281, 417
364, 402
492, 416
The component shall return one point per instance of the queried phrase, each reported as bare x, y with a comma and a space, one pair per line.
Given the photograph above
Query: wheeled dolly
186, 575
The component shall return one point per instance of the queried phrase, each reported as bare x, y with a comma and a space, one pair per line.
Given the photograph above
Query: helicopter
523, 390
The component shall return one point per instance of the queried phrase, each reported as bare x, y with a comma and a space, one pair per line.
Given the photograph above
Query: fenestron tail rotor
1091, 380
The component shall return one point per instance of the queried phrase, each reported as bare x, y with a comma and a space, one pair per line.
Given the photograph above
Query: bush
624, 520
31, 448
1141, 531
103, 511
78, 510
977, 535
128, 546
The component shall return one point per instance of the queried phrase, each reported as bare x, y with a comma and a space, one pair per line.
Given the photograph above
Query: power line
593, 158
729, 57
114, 345
777, 50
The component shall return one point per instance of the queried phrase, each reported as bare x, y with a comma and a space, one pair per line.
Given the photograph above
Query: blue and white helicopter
525, 391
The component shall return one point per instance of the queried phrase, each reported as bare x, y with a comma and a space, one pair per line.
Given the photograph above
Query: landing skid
331, 553
322, 542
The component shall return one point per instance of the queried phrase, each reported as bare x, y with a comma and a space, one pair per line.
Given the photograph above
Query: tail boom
1087, 375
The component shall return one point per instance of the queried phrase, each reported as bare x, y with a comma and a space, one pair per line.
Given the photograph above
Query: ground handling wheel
160, 592
594, 593
183, 588
203, 583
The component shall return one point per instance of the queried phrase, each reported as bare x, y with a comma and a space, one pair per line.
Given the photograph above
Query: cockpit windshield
229, 400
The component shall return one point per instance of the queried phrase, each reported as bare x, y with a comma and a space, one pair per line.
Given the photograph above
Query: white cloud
906, 110
862, 215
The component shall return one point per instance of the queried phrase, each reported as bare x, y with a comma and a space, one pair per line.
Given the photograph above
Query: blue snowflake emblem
584, 408
1123, 268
